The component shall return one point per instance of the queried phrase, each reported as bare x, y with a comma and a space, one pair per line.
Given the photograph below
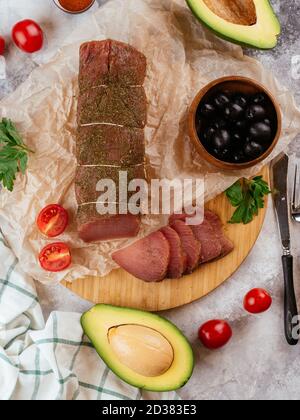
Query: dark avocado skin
220, 35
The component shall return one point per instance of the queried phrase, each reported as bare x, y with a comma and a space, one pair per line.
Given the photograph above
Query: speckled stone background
257, 364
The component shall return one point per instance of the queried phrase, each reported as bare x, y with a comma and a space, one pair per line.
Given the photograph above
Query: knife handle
290, 305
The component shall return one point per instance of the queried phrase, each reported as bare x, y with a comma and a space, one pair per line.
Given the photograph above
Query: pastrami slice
146, 259
215, 221
214, 243
175, 217
210, 244
190, 244
178, 258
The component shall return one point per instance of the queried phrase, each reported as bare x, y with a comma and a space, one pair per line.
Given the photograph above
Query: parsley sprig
13, 154
248, 197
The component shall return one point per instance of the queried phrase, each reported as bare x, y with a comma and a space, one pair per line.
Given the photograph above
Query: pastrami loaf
112, 110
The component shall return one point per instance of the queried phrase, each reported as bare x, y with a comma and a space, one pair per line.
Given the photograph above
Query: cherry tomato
52, 220
28, 36
215, 334
55, 257
257, 301
2, 45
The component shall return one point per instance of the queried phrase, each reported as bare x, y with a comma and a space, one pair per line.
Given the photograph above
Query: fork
295, 204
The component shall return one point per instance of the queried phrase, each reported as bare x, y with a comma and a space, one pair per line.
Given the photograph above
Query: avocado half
143, 349
251, 23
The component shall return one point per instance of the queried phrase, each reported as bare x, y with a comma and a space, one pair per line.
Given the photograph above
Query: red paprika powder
75, 5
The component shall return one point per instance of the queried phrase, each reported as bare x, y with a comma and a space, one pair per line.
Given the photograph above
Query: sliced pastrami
178, 258
210, 244
146, 259
175, 217
215, 221
190, 244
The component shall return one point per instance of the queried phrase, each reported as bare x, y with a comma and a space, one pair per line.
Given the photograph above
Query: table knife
279, 174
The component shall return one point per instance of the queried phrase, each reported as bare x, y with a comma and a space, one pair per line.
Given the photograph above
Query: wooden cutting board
121, 289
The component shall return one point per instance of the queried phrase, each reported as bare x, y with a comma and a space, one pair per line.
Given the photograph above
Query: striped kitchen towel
52, 361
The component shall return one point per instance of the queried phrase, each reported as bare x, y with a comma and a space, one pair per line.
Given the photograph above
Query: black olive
237, 138
220, 140
234, 112
241, 125
225, 155
259, 98
208, 133
222, 154
238, 157
207, 110
220, 123
267, 121
241, 100
221, 100
260, 132
253, 149
255, 112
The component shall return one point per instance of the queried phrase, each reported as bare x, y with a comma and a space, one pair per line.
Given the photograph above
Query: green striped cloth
52, 361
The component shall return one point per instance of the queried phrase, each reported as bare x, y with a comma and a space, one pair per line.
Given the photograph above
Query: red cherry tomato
2, 45
257, 301
55, 257
28, 36
52, 220
215, 334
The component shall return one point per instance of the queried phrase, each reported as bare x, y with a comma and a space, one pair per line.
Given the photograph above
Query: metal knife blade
279, 180
279, 170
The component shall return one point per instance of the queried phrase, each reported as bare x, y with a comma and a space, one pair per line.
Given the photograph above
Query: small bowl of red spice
74, 6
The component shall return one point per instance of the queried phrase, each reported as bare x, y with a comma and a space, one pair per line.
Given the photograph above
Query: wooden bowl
231, 84
75, 12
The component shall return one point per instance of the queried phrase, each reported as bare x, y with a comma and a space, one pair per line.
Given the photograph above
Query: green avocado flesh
251, 23
143, 349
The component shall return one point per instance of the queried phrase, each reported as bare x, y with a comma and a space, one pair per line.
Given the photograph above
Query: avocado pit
240, 12
141, 349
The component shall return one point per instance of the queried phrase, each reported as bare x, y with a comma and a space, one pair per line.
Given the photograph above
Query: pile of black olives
235, 127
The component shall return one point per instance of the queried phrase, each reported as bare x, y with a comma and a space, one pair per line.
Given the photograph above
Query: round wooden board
121, 289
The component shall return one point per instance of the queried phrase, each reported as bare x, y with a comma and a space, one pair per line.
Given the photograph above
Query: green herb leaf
235, 194
13, 154
248, 196
23, 163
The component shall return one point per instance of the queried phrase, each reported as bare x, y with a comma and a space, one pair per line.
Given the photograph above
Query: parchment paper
182, 57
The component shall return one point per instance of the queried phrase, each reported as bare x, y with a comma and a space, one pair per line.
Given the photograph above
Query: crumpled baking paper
182, 57
2, 68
